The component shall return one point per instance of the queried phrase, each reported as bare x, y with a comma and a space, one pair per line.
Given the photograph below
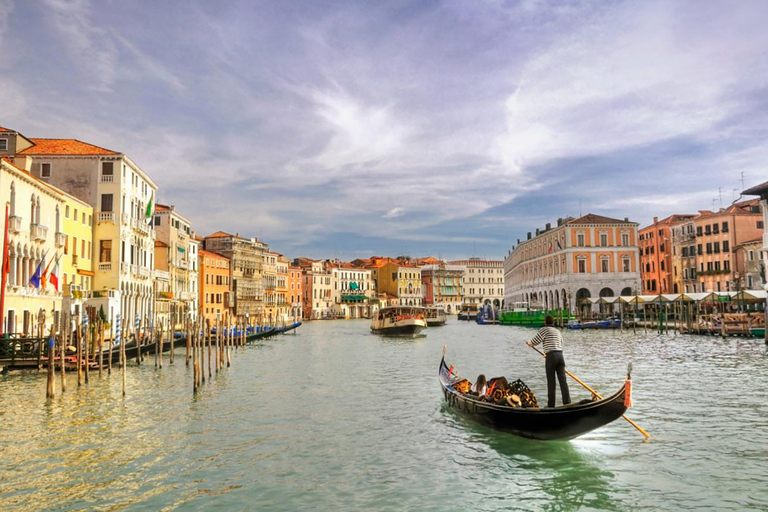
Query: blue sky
450, 128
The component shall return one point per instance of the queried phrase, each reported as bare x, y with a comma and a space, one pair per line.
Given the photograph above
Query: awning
756, 295
354, 298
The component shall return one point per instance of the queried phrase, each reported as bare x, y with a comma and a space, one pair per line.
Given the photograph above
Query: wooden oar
646, 434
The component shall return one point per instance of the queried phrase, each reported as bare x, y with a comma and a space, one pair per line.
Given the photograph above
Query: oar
646, 434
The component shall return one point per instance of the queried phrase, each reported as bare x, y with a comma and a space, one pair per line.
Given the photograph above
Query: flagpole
4, 279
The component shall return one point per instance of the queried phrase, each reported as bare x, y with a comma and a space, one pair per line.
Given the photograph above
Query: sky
342, 129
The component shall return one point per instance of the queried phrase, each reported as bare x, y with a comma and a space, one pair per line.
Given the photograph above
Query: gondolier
554, 364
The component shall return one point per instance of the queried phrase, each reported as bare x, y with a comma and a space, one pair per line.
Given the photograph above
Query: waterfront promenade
335, 418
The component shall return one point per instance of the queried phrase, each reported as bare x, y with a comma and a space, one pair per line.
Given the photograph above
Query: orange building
655, 242
215, 285
718, 234
295, 292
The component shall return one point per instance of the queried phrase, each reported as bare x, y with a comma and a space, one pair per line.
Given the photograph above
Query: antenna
579, 207
742, 180
720, 195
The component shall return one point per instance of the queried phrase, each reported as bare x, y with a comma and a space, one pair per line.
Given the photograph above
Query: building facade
402, 280
750, 265
442, 286
353, 291
76, 256
684, 256
295, 291
246, 257
34, 238
562, 267
120, 193
483, 282
717, 236
215, 289
174, 255
269, 282
282, 305
656, 253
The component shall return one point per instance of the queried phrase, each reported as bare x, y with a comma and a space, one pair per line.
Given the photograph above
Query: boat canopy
746, 295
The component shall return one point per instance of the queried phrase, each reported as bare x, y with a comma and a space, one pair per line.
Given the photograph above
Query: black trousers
555, 364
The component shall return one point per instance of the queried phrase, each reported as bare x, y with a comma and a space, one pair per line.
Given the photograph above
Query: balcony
134, 269
38, 232
124, 267
105, 267
161, 275
125, 219
144, 272
107, 178
61, 240
182, 264
105, 217
142, 227
14, 224
185, 296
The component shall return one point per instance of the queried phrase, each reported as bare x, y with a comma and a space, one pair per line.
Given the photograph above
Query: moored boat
468, 312
758, 332
564, 422
399, 321
522, 314
435, 316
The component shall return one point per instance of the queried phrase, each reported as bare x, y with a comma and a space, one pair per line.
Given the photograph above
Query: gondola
265, 333
564, 422
290, 327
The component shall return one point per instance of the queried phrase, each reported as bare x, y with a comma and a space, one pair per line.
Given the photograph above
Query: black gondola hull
400, 330
558, 423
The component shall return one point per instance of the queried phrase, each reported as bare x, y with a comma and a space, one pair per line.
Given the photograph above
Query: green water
335, 418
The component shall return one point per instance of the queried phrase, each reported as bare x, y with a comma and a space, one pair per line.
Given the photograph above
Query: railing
124, 267
182, 264
142, 226
161, 274
14, 224
185, 296
38, 232
105, 267
144, 272
134, 269
107, 178
106, 217
61, 240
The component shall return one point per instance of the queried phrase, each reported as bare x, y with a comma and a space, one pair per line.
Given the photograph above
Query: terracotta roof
739, 207
752, 241
757, 190
6, 129
219, 234
65, 147
160, 243
162, 207
592, 218
211, 253
672, 219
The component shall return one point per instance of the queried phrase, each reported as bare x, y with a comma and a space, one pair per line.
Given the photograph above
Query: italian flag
150, 208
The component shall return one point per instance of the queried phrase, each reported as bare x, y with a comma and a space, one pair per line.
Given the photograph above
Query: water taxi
399, 321
435, 316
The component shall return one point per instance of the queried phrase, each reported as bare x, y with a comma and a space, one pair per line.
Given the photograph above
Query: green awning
181, 249
354, 286
359, 298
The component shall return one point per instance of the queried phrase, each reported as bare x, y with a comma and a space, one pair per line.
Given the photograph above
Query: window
581, 265
717, 247
709, 266
66, 211
726, 265
604, 264
3, 144
83, 218
604, 239
105, 251
708, 229
45, 170
698, 230
74, 246
89, 250
715, 228
725, 246
725, 227
107, 169
700, 252
106, 203
580, 239
709, 247
625, 265
751, 255
82, 249
759, 224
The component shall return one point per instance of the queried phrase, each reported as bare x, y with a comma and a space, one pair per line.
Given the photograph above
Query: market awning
756, 295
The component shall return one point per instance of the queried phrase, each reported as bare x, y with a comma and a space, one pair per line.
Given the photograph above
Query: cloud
393, 213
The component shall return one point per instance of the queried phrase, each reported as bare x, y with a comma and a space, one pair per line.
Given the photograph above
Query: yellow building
401, 280
76, 255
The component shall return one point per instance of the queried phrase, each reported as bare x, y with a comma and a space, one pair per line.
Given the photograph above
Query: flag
558, 244
44, 275
550, 246
35, 279
54, 279
150, 208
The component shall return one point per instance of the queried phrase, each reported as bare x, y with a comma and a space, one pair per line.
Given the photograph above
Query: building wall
482, 281
562, 267
27, 249
343, 278
750, 266
246, 260
215, 285
295, 292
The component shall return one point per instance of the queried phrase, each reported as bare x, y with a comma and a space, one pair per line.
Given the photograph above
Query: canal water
335, 418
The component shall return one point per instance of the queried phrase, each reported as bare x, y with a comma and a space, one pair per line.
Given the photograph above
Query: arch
625, 292
552, 303
564, 298
557, 299
486, 302
496, 303
584, 306
606, 292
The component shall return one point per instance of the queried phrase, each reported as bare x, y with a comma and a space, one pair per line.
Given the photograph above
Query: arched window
37, 210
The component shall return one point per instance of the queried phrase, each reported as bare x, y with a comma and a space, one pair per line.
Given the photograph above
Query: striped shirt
550, 337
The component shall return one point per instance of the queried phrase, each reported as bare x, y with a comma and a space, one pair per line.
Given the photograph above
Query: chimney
529, 235
518, 241
549, 226
23, 162
559, 221
537, 231
655, 220
626, 219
